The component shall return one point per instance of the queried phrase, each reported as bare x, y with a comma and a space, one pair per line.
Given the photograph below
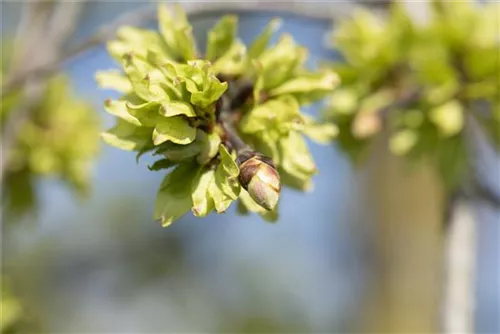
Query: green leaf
127, 136
203, 203
177, 32
260, 43
119, 109
162, 164
209, 146
118, 49
234, 61
146, 113
322, 133
301, 182
178, 152
279, 63
308, 83
221, 37
137, 41
113, 79
213, 92
227, 162
143, 151
176, 129
200, 80
174, 196
295, 157
282, 114
225, 187
146, 80
448, 118
175, 108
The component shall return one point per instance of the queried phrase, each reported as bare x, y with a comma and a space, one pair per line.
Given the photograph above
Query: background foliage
425, 83
225, 273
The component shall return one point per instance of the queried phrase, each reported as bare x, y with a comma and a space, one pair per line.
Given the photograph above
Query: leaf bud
259, 177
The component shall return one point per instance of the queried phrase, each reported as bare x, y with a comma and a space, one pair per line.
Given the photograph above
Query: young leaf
209, 146
221, 37
113, 79
139, 41
260, 43
280, 114
176, 129
234, 61
295, 156
174, 196
322, 133
162, 164
308, 83
177, 32
119, 109
145, 80
203, 203
177, 152
175, 108
225, 187
147, 114
127, 136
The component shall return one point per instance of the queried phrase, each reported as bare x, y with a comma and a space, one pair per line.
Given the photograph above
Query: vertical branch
460, 268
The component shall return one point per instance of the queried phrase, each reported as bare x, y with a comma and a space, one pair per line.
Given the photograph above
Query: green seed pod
260, 178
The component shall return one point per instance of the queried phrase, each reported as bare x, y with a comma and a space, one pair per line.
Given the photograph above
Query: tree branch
226, 121
460, 258
102, 35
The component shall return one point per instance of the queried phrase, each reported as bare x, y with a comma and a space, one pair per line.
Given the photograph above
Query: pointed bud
260, 178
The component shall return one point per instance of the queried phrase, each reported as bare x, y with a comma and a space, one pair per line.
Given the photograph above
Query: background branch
49, 28
102, 35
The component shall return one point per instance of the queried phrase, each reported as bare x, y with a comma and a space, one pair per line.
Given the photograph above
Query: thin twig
64, 22
227, 123
102, 35
32, 23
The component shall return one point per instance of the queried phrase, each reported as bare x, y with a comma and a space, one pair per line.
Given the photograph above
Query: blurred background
361, 253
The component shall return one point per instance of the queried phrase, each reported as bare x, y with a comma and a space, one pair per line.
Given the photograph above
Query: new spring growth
258, 174
413, 83
227, 123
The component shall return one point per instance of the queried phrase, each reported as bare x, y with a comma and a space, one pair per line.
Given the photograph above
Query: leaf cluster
57, 140
422, 82
176, 100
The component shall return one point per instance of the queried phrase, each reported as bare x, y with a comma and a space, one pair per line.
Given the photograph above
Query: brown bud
260, 178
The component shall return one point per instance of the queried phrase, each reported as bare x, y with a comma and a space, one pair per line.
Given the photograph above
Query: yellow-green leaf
174, 196
113, 79
176, 129
221, 37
